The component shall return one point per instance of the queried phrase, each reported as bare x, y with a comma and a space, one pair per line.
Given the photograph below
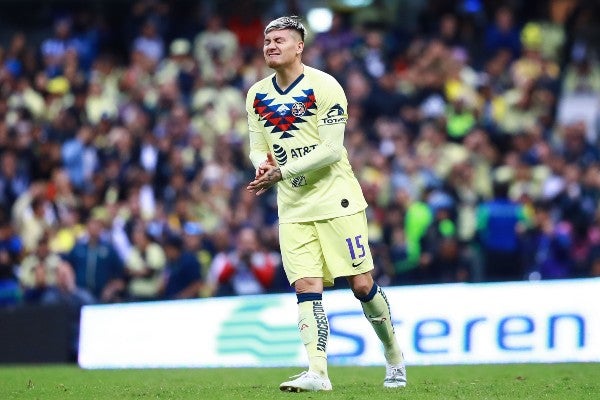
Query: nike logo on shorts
356, 265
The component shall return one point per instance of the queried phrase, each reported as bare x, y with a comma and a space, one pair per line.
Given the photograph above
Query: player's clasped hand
267, 175
265, 181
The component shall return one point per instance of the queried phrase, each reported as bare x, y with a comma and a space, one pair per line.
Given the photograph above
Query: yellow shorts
326, 249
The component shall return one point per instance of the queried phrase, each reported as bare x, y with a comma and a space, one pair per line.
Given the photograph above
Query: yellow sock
377, 311
314, 332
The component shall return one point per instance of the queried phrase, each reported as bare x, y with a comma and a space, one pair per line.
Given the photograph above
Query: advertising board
551, 321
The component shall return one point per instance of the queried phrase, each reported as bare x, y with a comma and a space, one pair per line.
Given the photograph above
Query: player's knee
361, 285
308, 285
361, 291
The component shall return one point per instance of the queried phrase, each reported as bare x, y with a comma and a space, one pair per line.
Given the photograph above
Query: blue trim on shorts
371, 294
302, 297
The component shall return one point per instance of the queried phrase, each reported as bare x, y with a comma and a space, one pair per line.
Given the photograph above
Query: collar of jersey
286, 91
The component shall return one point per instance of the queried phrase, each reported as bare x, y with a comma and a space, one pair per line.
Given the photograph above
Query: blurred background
473, 129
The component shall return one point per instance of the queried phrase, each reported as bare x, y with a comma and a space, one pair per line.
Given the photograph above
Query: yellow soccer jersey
303, 127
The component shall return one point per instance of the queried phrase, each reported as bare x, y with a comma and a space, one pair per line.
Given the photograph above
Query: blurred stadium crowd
474, 131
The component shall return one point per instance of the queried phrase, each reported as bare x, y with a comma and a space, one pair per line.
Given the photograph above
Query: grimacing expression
281, 47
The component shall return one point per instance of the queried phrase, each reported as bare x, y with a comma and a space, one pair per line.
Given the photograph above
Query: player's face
282, 48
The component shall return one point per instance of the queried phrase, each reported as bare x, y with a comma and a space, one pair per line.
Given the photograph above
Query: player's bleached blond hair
291, 22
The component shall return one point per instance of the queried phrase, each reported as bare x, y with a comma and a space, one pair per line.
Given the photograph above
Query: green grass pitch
510, 381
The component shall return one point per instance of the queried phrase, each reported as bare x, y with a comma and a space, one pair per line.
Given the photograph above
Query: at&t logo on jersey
282, 158
335, 115
280, 154
296, 152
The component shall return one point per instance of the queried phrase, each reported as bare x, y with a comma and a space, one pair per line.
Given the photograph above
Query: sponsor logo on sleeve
335, 115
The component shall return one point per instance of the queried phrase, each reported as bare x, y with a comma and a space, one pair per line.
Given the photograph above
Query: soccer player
297, 118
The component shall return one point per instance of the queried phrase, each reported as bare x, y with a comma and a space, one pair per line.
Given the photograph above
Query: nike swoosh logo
356, 265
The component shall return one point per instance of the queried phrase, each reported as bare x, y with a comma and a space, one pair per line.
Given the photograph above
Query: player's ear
300, 47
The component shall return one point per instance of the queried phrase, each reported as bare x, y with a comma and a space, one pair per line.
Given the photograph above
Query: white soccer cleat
395, 376
306, 381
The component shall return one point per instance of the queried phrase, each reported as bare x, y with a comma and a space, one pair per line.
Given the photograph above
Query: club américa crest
298, 109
